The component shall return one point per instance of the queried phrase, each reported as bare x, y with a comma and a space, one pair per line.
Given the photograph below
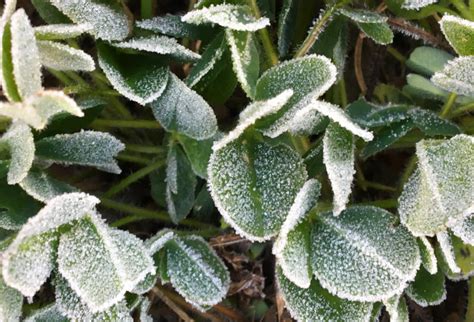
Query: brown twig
405, 26
358, 64
176, 309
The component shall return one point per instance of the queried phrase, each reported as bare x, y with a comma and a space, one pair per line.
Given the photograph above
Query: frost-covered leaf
428, 258
253, 184
139, 78
25, 56
43, 187
159, 45
108, 19
457, 76
234, 17
361, 255
447, 251
464, 229
459, 33
417, 4
11, 302
386, 137
61, 31
318, 305
58, 56
101, 264
86, 148
443, 185
396, 307
378, 32
431, 124
362, 15
427, 289
196, 272
245, 59
181, 109
309, 76
428, 60
50, 313
461, 256
198, 153
338, 156
292, 247
180, 184
286, 25
16, 207
20, 144
420, 86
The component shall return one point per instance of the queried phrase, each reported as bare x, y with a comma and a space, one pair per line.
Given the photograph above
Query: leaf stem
264, 35
121, 185
462, 109
135, 124
448, 105
396, 54
140, 148
146, 9
133, 159
383, 203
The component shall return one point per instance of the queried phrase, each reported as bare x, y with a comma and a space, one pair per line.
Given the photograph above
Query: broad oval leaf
234, 17
86, 148
417, 4
61, 31
196, 272
464, 229
62, 57
292, 247
11, 302
427, 289
253, 184
181, 109
428, 60
318, 305
172, 25
443, 185
108, 20
43, 187
459, 33
361, 256
362, 15
142, 82
379, 32
457, 76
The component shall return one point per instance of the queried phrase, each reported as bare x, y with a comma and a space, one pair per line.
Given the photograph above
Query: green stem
61, 77
149, 149
470, 301
121, 185
135, 124
133, 159
342, 92
448, 105
264, 35
146, 9
463, 109
396, 54
384, 203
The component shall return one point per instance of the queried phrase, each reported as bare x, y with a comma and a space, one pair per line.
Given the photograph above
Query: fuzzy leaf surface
58, 56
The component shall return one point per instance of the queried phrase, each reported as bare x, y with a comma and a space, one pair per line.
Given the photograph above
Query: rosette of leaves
93, 266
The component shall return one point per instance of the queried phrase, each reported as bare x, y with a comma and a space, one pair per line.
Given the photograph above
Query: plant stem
264, 35
384, 203
149, 149
135, 124
133, 159
448, 105
462, 109
396, 54
341, 85
470, 301
121, 185
146, 9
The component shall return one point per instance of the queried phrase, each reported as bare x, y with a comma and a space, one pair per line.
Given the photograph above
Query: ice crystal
61, 31
447, 251
63, 57
362, 15
50, 313
459, 33
428, 258
427, 289
234, 17
417, 4
86, 148
361, 256
43, 187
11, 302
396, 307
457, 76
48, 103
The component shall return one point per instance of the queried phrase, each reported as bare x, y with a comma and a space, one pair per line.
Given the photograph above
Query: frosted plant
396, 307
428, 257
62, 57
427, 289
459, 32
11, 302
417, 4
234, 17
61, 31
43, 187
457, 76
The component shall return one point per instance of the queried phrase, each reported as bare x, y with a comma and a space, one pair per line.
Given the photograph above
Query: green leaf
181, 109
362, 15
43, 187
361, 256
426, 289
21, 146
63, 57
229, 16
417, 4
11, 302
49, 13
317, 304
386, 137
446, 248
101, 264
459, 33
198, 153
25, 56
428, 60
420, 86
253, 184
159, 45
139, 78
196, 272
292, 247
86, 148
442, 184
9, 86
460, 258
108, 19
396, 307
431, 124
60, 31
50, 313
286, 26
308, 76
180, 184
464, 229
245, 59
378, 32
457, 76
428, 258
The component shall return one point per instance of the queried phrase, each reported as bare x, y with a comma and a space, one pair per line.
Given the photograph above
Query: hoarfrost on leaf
362, 256
362, 15
234, 17
318, 305
396, 307
183, 110
427, 289
86, 148
428, 257
196, 272
50, 313
459, 33
108, 20
378, 32
417, 4
457, 76
292, 247
447, 251
43, 187
464, 229
61, 31
253, 184
58, 56
11, 302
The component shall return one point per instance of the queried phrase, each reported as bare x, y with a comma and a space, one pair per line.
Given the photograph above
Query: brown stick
358, 64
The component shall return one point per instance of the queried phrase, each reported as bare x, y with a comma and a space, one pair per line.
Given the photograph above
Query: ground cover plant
237, 160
